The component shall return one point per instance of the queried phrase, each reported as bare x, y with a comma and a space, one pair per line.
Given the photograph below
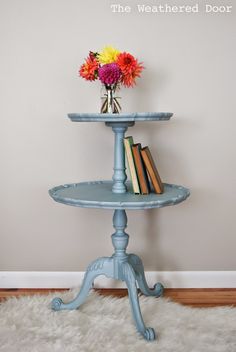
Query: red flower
130, 68
89, 70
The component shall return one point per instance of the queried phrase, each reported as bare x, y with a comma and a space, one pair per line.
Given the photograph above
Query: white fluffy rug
104, 324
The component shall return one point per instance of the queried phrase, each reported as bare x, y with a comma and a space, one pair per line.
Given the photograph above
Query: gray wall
190, 70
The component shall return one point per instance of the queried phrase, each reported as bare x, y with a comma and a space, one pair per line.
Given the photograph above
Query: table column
119, 177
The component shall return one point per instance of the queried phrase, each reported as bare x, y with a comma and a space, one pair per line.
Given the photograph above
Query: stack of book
143, 172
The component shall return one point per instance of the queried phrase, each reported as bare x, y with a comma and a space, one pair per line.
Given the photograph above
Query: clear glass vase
109, 100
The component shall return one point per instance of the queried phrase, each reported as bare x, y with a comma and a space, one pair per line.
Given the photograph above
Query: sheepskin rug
27, 324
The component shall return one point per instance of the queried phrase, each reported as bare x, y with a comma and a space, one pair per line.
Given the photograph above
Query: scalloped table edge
118, 204
123, 117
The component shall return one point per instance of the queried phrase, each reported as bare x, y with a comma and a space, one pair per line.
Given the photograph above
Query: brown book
140, 168
152, 170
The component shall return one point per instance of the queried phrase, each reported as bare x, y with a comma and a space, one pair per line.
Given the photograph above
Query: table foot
150, 334
137, 265
129, 277
101, 266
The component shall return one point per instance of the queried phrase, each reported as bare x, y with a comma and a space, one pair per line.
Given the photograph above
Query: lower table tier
98, 194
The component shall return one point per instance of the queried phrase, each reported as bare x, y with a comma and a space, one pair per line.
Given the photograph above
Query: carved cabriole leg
137, 265
101, 266
129, 278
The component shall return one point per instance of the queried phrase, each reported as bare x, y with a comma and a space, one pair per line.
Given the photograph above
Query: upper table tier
98, 194
124, 117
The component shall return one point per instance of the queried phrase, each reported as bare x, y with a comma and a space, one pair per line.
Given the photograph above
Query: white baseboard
170, 279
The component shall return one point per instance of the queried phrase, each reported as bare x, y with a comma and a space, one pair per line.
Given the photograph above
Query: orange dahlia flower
89, 70
130, 68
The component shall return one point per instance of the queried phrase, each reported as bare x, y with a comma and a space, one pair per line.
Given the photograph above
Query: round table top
98, 194
123, 117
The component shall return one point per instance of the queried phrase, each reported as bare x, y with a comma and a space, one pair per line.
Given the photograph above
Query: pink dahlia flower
109, 73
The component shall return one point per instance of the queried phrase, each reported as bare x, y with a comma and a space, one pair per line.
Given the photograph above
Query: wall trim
65, 279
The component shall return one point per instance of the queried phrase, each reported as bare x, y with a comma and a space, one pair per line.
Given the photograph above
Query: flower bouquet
114, 69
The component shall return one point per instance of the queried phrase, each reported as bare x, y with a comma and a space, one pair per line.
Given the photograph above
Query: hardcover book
141, 170
152, 170
128, 142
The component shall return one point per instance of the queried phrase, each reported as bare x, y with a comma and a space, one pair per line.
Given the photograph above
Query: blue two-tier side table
117, 194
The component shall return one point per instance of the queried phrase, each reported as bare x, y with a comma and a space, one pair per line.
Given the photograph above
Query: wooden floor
192, 297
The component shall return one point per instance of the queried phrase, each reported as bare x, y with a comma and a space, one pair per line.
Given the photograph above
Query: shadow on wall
153, 253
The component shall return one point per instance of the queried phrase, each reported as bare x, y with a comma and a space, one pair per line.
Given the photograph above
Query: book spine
128, 142
152, 170
141, 170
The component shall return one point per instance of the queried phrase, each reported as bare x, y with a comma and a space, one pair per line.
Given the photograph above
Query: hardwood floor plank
192, 297
17, 292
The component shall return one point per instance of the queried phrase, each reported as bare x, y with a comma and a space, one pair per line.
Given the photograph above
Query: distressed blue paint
117, 195
137, 116
137, 264
101, 266
120, 266
119, 176
98, 194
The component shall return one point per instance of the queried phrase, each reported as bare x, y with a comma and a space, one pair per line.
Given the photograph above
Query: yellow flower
108, 55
